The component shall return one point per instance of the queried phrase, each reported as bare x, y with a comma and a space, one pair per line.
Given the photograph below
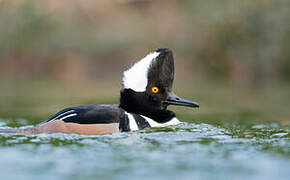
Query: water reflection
185, 151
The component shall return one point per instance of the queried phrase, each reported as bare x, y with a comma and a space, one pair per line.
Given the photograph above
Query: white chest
134, 124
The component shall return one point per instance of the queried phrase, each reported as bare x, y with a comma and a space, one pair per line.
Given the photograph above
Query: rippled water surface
186, 151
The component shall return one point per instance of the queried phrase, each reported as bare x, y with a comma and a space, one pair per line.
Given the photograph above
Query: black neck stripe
124, 125
141, 122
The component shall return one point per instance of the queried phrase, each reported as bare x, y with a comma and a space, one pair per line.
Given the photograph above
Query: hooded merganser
146, 93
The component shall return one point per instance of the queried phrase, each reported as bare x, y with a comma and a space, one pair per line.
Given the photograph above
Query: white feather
66, 112
173, 121
135, 78
68, 116
132, 123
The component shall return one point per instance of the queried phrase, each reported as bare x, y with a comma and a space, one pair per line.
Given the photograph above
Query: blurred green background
232, 57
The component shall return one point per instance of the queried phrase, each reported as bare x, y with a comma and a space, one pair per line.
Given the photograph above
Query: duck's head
147, 86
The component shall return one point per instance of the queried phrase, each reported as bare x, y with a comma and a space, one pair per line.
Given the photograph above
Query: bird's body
146, 93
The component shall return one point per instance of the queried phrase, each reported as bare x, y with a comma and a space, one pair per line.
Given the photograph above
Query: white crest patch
135, 78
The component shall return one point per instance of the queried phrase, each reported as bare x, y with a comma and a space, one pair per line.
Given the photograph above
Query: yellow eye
155, 89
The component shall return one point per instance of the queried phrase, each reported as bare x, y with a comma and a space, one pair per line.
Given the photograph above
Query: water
186, 151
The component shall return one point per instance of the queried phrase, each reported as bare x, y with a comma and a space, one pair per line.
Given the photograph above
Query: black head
161, 74
147, 87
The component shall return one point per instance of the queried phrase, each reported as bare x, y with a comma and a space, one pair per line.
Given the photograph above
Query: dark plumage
92, 114
137, 110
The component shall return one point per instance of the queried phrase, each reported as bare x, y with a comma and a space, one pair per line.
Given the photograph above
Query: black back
92, 114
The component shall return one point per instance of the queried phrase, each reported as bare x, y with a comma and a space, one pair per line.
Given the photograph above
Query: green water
186, 151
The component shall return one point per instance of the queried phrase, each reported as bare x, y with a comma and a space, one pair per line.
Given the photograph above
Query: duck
144, 97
